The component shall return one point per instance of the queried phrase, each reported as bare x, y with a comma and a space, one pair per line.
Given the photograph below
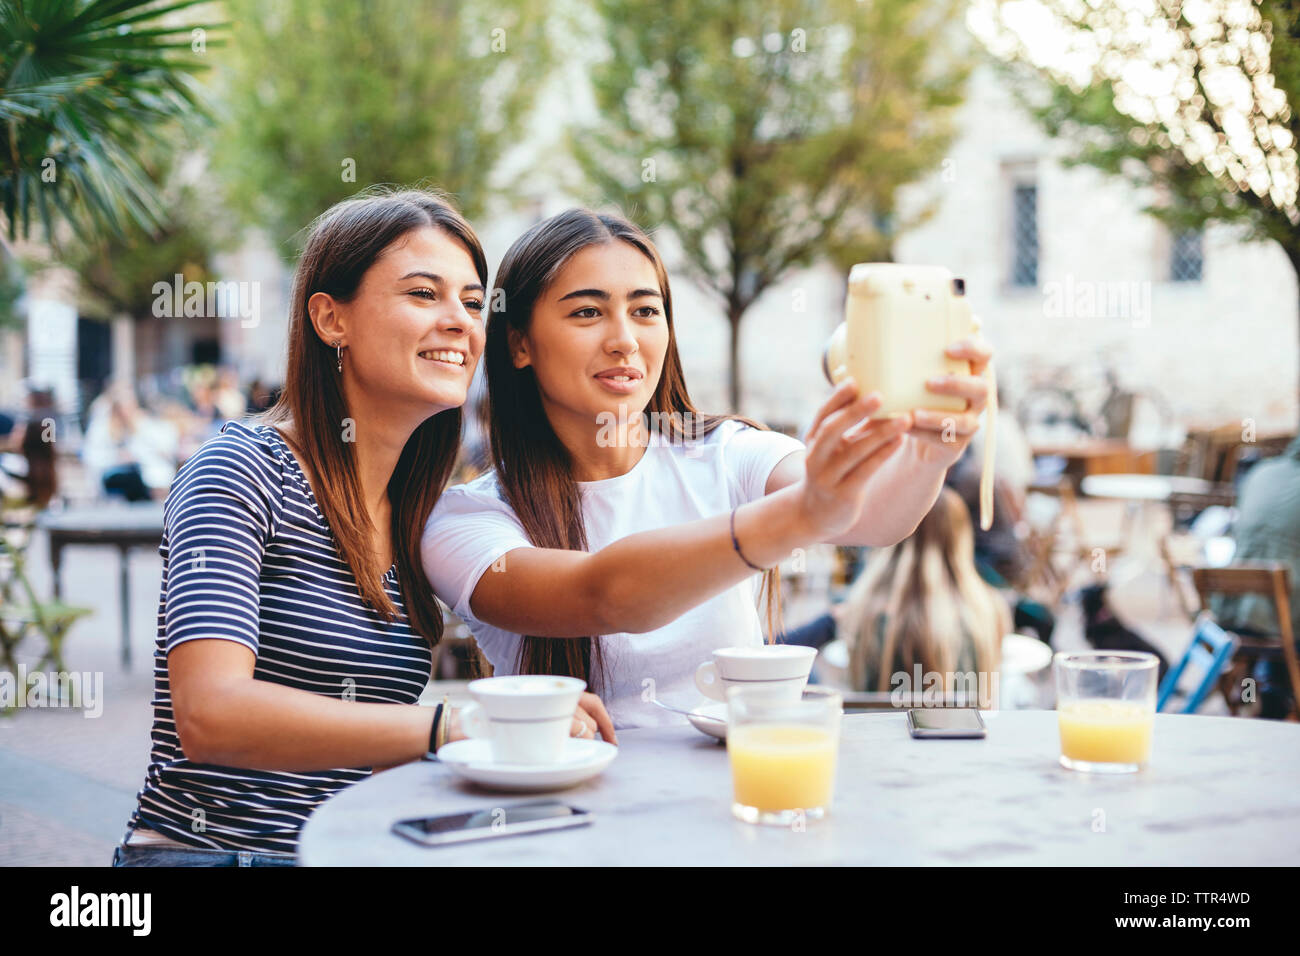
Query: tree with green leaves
11, 292
82, 83
117, 272
1198, 100
769, 134
326, 97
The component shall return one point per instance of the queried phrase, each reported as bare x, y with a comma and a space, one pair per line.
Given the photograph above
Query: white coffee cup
526, 717
783, 668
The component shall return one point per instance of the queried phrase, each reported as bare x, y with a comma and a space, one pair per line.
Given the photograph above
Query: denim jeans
124, 855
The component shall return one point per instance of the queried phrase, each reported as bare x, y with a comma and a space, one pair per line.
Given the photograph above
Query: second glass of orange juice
1106, 704
783, 753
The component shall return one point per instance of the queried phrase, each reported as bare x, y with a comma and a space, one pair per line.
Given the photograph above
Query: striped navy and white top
248, 557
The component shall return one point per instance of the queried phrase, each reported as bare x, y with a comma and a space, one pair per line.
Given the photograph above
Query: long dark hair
534, 470
344, 242
42, 478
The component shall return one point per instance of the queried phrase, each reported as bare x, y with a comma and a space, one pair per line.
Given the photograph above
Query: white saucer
699, 719
581, 760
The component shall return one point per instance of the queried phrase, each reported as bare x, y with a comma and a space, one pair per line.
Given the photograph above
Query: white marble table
1218, 791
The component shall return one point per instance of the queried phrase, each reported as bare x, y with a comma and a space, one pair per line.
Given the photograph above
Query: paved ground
68, 783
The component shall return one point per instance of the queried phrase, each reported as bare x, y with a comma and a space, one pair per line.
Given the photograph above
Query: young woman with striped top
295, 625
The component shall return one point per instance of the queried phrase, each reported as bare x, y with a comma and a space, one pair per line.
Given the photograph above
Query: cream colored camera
898, 319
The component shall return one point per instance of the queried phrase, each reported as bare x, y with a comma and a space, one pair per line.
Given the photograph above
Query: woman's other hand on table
591, 717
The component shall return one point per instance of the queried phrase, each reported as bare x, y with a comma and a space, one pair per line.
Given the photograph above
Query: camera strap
990, 447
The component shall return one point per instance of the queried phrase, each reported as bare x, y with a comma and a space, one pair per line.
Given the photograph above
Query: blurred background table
1093, 456
1138, 487
1148, 518
1218, 791
120, 526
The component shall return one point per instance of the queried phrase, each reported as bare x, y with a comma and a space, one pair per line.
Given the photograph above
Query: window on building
1024, 234
1187, 256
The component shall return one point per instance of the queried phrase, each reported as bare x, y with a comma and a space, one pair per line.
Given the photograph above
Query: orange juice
782, 766
1106, 731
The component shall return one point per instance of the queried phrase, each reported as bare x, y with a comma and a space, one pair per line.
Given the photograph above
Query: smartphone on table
491, 822
945, 722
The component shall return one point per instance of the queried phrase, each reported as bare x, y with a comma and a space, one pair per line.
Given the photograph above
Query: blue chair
1211, 650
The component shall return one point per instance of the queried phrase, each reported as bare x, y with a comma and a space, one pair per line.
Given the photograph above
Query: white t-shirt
673, 483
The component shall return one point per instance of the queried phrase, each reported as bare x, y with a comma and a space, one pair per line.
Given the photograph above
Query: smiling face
598, 336
413, 332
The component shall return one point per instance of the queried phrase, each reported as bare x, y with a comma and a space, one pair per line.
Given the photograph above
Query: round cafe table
1218, 791
1143, 487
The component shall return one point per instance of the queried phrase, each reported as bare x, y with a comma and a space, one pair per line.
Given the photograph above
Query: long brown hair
42, 478
344, 242
932, 598
533, 468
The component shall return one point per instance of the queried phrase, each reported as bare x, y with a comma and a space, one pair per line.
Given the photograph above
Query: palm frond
82, 82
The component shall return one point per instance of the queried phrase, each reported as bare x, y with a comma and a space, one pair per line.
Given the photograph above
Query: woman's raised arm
646, 580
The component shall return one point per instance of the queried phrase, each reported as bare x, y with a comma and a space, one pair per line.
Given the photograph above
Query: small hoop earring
336, 345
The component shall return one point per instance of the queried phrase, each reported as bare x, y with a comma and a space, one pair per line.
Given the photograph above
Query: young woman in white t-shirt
618, 536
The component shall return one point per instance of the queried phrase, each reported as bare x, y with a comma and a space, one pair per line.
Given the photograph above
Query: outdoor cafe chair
1210, 650
1271, 580
1063, 546
1182, 550
23, 613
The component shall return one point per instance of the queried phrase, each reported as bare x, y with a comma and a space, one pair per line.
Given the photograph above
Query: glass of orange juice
782, 751
1106, 705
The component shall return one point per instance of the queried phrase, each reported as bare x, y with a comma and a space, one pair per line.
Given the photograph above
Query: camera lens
959, 287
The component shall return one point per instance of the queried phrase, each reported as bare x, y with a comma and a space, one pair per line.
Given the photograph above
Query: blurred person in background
920, 601
1001, 549
228, 396
1267, 529
27, 469
203, 401
130, 452
191, 432
1001, 553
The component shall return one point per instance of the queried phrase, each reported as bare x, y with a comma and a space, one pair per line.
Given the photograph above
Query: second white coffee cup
526, 717
783, 668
